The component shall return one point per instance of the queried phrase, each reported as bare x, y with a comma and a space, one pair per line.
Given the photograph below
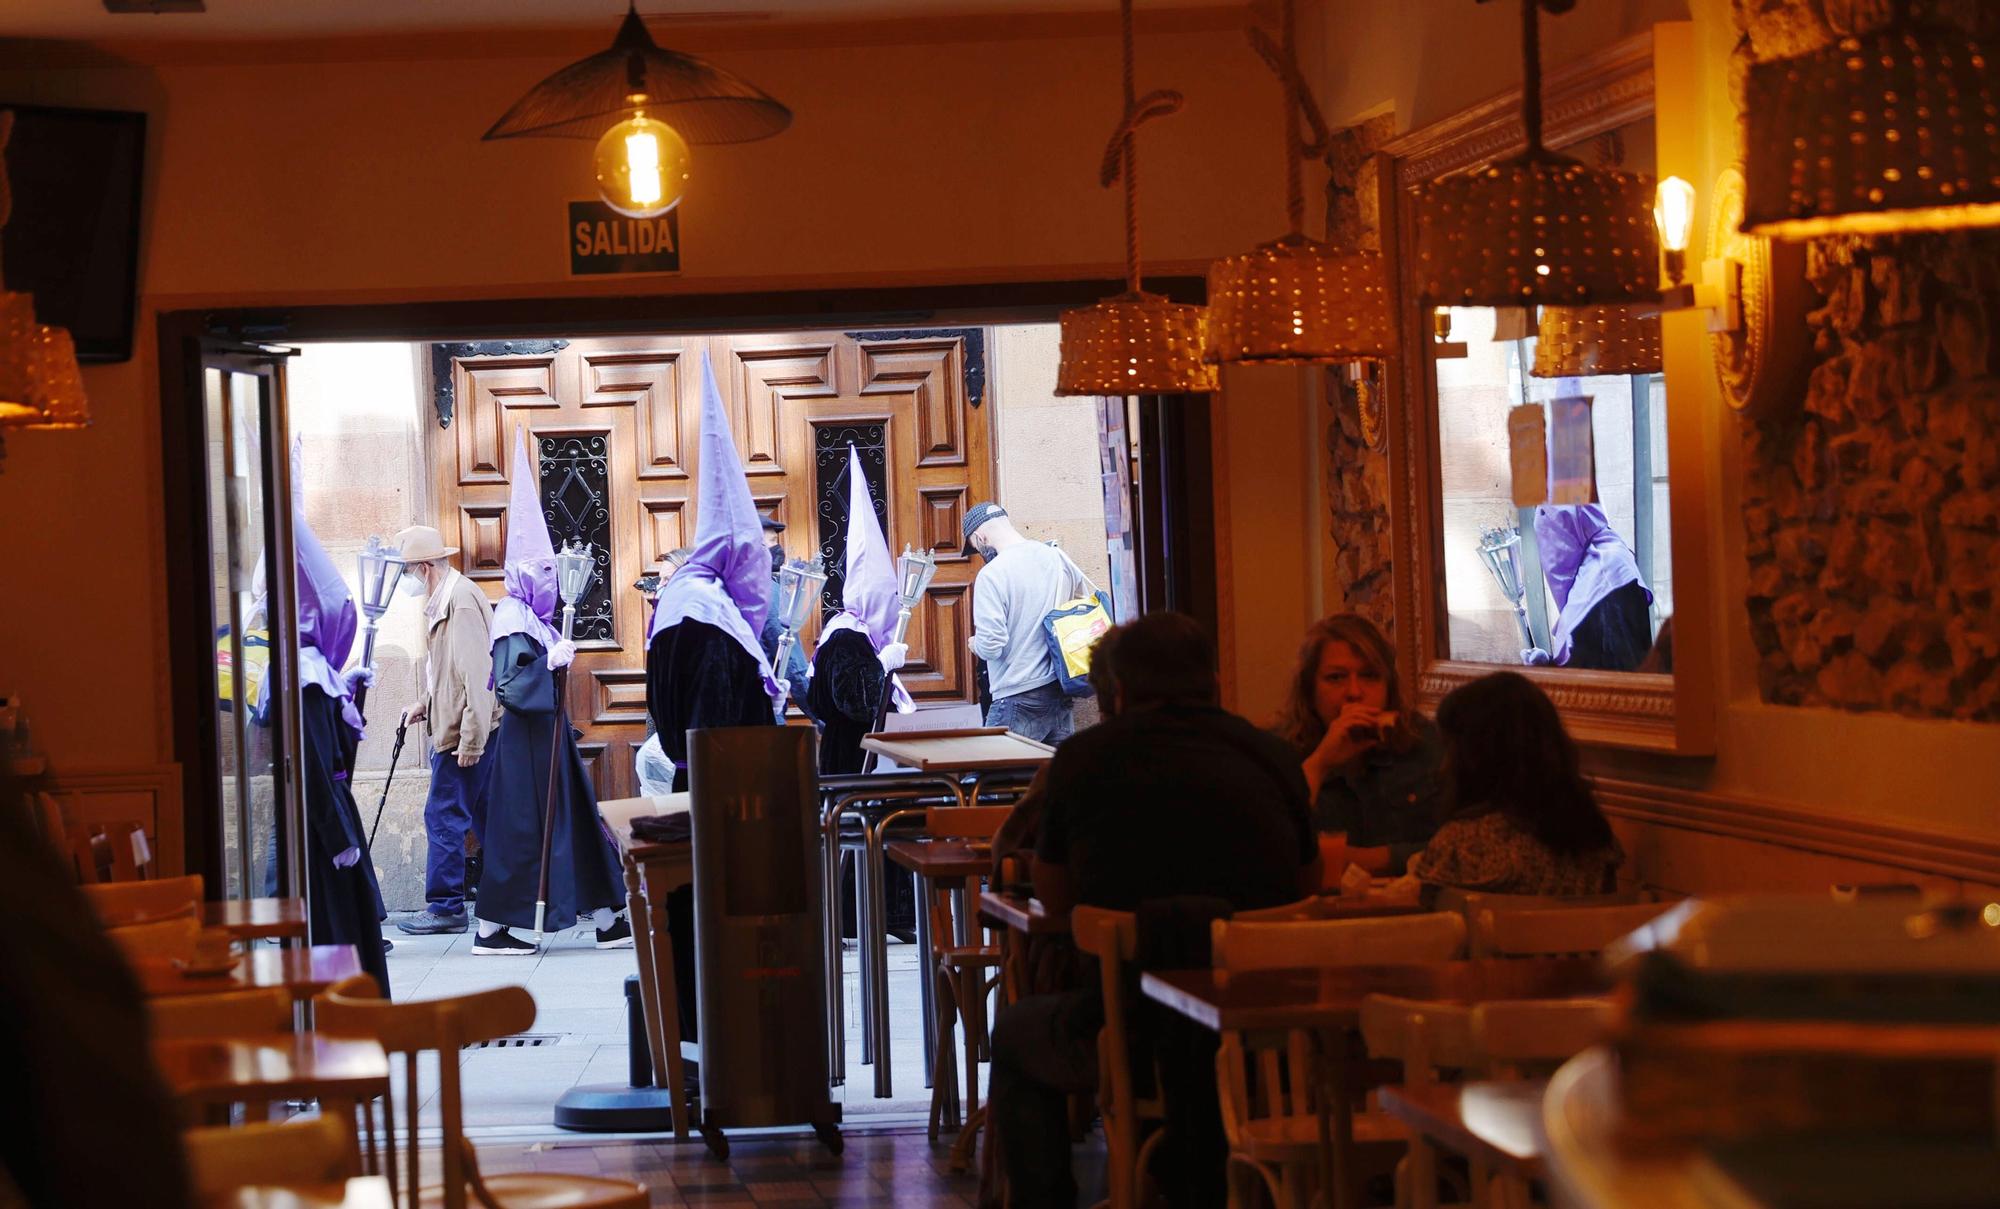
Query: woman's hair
1505, 749
1300, 724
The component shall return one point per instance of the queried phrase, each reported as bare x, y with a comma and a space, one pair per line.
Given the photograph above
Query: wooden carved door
613, 427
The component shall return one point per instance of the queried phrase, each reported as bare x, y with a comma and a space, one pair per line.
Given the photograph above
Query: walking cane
402, 728
574, 566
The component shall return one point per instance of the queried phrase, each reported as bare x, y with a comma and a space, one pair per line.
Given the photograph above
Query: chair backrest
1113, 938
227, 1014
440, 1026
1421, 1034
121, 903
223, 1158
1305, 908
1545, 932
1543, 1033
965, 822
169, 939
1470, 903
1396, 940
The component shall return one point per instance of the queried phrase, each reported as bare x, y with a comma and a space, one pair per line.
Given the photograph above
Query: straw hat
423, 544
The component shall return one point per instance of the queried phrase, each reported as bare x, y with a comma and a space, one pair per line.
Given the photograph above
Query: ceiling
267, 19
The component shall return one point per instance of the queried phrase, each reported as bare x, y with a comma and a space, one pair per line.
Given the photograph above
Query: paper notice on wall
1528, 454
1572, 464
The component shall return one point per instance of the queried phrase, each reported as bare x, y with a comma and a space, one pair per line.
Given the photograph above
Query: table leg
1336, 1124
929, 990
876, 940
669, 1027
836, 982
642, 950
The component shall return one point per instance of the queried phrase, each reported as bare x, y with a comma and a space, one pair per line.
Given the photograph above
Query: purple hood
1584, 561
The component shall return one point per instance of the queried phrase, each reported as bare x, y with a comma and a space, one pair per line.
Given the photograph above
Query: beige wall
361, 181
1047, 448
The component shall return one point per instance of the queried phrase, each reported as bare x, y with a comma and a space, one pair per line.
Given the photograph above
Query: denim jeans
1043, 713
1044, 1048
457, 802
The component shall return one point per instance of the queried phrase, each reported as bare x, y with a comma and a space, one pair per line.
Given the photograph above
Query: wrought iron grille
576, 499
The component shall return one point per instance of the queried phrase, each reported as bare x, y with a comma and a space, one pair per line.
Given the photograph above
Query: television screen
73, 240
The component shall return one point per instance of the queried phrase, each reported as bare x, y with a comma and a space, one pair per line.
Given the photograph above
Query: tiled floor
579, 994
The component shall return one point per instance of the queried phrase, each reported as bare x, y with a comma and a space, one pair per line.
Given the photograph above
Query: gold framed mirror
1578, 596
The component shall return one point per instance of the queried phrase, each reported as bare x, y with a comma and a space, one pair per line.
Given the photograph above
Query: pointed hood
530, 572
726, 581
1584, 561
328, 619
868, 589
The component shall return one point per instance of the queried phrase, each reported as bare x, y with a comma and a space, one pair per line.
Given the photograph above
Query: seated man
1169, 796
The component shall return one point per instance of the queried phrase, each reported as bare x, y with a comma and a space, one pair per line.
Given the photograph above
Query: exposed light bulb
642, 167
1673, 213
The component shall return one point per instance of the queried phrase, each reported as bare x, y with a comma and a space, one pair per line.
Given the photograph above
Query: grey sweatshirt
1010, 597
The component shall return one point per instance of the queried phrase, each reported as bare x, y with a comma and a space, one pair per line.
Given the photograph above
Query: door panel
614, 428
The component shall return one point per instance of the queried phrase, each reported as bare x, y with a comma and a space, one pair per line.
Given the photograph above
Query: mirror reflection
1578, 585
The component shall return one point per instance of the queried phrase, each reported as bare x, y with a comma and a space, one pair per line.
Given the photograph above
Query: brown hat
423, 544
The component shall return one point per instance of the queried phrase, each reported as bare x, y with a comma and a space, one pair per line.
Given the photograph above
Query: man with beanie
1020, 584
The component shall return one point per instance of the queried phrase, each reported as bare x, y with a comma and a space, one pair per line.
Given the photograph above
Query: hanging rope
1121, 156
1282, 58
1531, 75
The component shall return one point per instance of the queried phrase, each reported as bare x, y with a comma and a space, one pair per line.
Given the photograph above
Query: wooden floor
896, 1169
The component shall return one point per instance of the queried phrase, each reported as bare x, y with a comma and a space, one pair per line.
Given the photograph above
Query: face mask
412, 584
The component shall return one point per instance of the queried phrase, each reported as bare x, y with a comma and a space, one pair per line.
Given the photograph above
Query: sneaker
617, 936
430, 923
502, 944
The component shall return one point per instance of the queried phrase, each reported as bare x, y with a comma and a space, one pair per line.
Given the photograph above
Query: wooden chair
169, 939
221, 1159
1470, 903
225, 1014
1273, 1120
444, 1027
1305, 908
963, 973
1523, 1037
1112, 937
1424, 1037
119, 904
1541, 933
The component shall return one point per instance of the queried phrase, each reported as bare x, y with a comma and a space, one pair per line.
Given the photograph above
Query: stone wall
1357, 495
1871, 513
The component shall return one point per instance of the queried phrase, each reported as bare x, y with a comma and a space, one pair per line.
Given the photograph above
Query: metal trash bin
758, 929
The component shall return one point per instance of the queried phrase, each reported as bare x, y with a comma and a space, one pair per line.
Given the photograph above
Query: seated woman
1523, 819
1371, 764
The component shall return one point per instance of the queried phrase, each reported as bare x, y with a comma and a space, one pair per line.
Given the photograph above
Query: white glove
347, 859
784, 688
1535, 656
358, 677
894, 656
562, 654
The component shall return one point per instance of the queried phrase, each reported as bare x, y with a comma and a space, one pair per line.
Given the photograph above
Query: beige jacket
460, 706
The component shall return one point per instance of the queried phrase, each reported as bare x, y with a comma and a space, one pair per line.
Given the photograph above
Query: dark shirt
1387, 799
845, 698
1177, 800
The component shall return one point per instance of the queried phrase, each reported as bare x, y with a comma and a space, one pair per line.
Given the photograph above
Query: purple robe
1584, 561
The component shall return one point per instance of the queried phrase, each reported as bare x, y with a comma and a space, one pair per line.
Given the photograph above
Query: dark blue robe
345, 905
582, 868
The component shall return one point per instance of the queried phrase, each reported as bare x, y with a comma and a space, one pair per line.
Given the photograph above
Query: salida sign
603, 241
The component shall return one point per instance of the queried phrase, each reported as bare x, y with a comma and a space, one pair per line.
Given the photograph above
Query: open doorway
395, 433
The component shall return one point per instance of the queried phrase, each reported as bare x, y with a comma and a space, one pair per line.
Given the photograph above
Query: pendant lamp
1896, 131
41, 384
1297, 300
1582, 342
1539, 228
1136, 343
642, 105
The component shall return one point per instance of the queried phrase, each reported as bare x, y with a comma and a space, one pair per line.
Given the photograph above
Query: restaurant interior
1507, 716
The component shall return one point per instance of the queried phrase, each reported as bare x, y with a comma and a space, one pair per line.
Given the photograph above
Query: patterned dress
1492, 853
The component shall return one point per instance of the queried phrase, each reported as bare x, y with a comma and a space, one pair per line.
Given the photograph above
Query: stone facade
1873, 513
1357, 494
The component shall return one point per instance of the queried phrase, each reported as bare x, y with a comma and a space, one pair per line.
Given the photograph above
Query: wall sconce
1673, 218
1443, 347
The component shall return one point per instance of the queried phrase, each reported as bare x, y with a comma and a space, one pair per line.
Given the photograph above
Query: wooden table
652, 872
1327, 1002
941, 860
363, 1192
303, 971
1020, 913
281, 1066
257, 918
980, 750
1495, 1123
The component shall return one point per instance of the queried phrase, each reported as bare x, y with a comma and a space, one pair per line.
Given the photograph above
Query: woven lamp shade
18, 357
58, 382
1135, 344
1899, 131
1580, 342
1297, 301
701, 101
1540, 230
